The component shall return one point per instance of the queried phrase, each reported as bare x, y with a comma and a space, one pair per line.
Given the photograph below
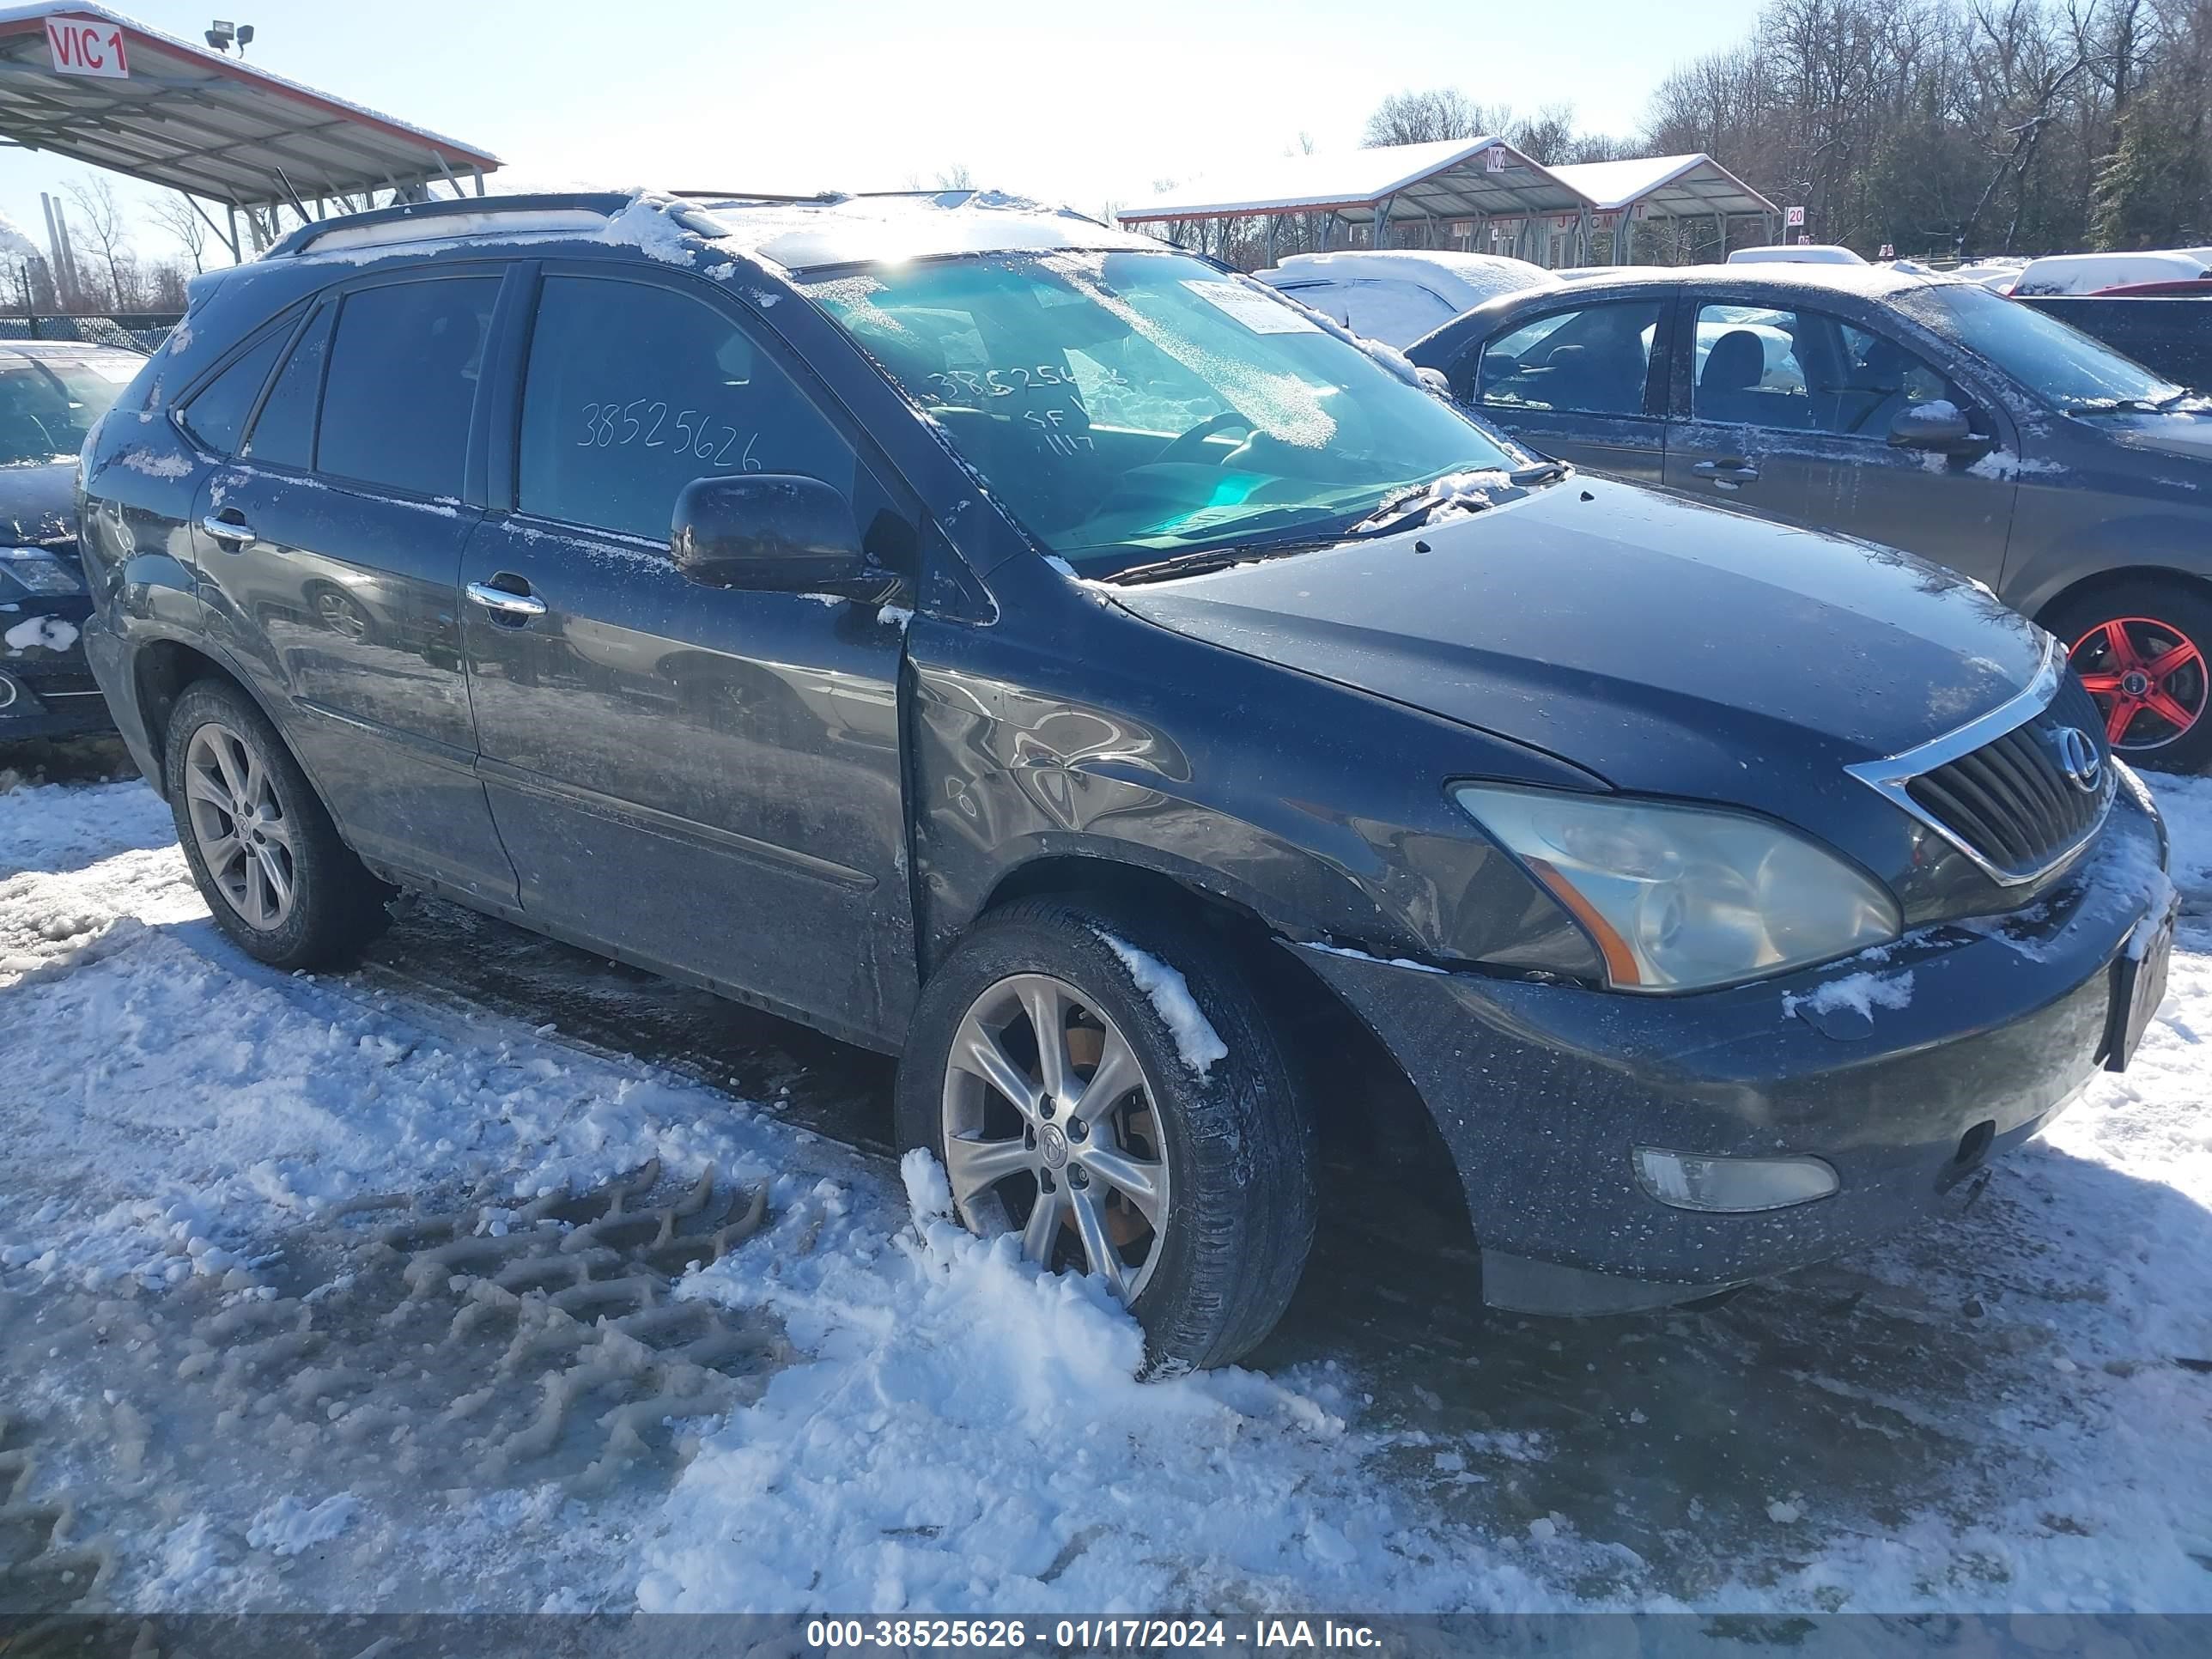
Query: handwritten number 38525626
645, 422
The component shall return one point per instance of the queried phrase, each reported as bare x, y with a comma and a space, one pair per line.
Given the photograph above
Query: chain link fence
133, 331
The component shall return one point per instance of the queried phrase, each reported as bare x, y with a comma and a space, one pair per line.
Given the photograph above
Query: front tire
2144, 649
1173, 1160
262, 847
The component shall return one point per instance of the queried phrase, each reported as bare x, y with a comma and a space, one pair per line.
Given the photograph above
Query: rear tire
2143, 648
262, 847
1226, 1154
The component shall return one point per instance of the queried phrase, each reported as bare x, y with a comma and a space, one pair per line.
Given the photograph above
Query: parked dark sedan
1925, 413
51, 397
1021, 646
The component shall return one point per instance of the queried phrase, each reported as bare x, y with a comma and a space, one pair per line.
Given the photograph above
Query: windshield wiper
1201, 560
2120, 406
1462, 492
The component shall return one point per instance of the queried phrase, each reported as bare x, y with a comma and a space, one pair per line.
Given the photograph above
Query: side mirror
1435, 381
772, 532
1937, 426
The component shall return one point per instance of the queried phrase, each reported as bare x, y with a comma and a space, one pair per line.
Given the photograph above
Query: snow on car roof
846, 230
1874, 280
795, 234
2086, 273
1461, 279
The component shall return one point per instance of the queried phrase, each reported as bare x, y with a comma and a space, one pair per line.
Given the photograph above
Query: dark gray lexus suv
1026, 649
1922, 412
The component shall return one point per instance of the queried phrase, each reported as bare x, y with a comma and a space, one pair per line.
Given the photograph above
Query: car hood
1669, 646
2186, 436
37, 501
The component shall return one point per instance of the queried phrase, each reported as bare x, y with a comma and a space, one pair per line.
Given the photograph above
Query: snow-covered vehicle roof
802, 234
1802, 254
2100, 273
1396, 296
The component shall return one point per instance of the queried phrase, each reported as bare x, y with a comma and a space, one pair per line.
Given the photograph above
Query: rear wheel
2141, 648
265, 855
1172, 1160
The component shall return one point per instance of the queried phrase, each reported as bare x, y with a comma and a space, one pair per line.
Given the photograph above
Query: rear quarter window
401, 386
218, 411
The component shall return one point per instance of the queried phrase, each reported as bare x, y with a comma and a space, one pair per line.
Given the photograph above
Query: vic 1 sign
85, 45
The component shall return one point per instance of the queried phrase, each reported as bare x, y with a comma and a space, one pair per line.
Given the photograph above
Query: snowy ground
489, 1277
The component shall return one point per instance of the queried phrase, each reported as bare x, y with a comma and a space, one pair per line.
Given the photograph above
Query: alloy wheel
2148, 679
244, 836
1051, 1129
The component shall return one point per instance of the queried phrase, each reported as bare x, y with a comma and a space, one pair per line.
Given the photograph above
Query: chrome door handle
227, 531
1735, 471
505, 604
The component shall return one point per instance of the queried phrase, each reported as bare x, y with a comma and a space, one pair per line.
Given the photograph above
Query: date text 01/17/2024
1088, 1635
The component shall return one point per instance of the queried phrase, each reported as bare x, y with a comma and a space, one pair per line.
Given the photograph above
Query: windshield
1131, 406
2056, 364
47, 408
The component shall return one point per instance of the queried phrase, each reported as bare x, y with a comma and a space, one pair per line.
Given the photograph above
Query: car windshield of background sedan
46, 408
1130, 404
2059, 364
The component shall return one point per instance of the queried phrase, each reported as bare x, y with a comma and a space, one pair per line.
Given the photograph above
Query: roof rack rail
756, 196
606, 203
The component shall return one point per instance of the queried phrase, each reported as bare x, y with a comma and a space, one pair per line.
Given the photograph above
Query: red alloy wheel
2148, 679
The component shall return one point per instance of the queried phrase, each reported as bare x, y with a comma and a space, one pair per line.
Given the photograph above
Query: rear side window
1805, 370
1594, 361
218, 412
284, 432
634, 390
404, 366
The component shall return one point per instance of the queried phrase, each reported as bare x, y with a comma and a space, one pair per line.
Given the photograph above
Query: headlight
1681, 899
38, 571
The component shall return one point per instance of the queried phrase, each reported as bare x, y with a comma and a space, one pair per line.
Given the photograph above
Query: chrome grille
2000, 788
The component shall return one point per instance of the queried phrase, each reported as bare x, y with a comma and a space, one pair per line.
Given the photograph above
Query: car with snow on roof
1916, 410
1149, 712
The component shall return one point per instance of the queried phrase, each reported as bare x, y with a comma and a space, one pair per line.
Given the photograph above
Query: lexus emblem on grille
2078, 758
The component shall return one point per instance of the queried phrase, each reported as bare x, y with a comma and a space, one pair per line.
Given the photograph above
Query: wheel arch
1358, 1085
2118, 576
161, 670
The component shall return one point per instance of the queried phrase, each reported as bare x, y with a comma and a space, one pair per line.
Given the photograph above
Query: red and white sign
1888, 251
86, 45
1794, 217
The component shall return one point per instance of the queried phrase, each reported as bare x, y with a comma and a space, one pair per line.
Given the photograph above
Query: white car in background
1802, 253
1397, 295
2166, 271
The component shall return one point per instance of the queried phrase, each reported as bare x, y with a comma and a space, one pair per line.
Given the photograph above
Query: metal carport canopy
155, 108
1672, 186
1457, 178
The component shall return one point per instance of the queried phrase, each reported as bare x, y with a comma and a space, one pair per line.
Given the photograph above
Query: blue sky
1085, 104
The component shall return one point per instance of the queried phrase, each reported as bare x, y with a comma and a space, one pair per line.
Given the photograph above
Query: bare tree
177, 214
102, 216
956, 177
1425, 117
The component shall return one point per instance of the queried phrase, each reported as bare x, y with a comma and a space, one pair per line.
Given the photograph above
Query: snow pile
972, 1433
1196, 1040
289, 1526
